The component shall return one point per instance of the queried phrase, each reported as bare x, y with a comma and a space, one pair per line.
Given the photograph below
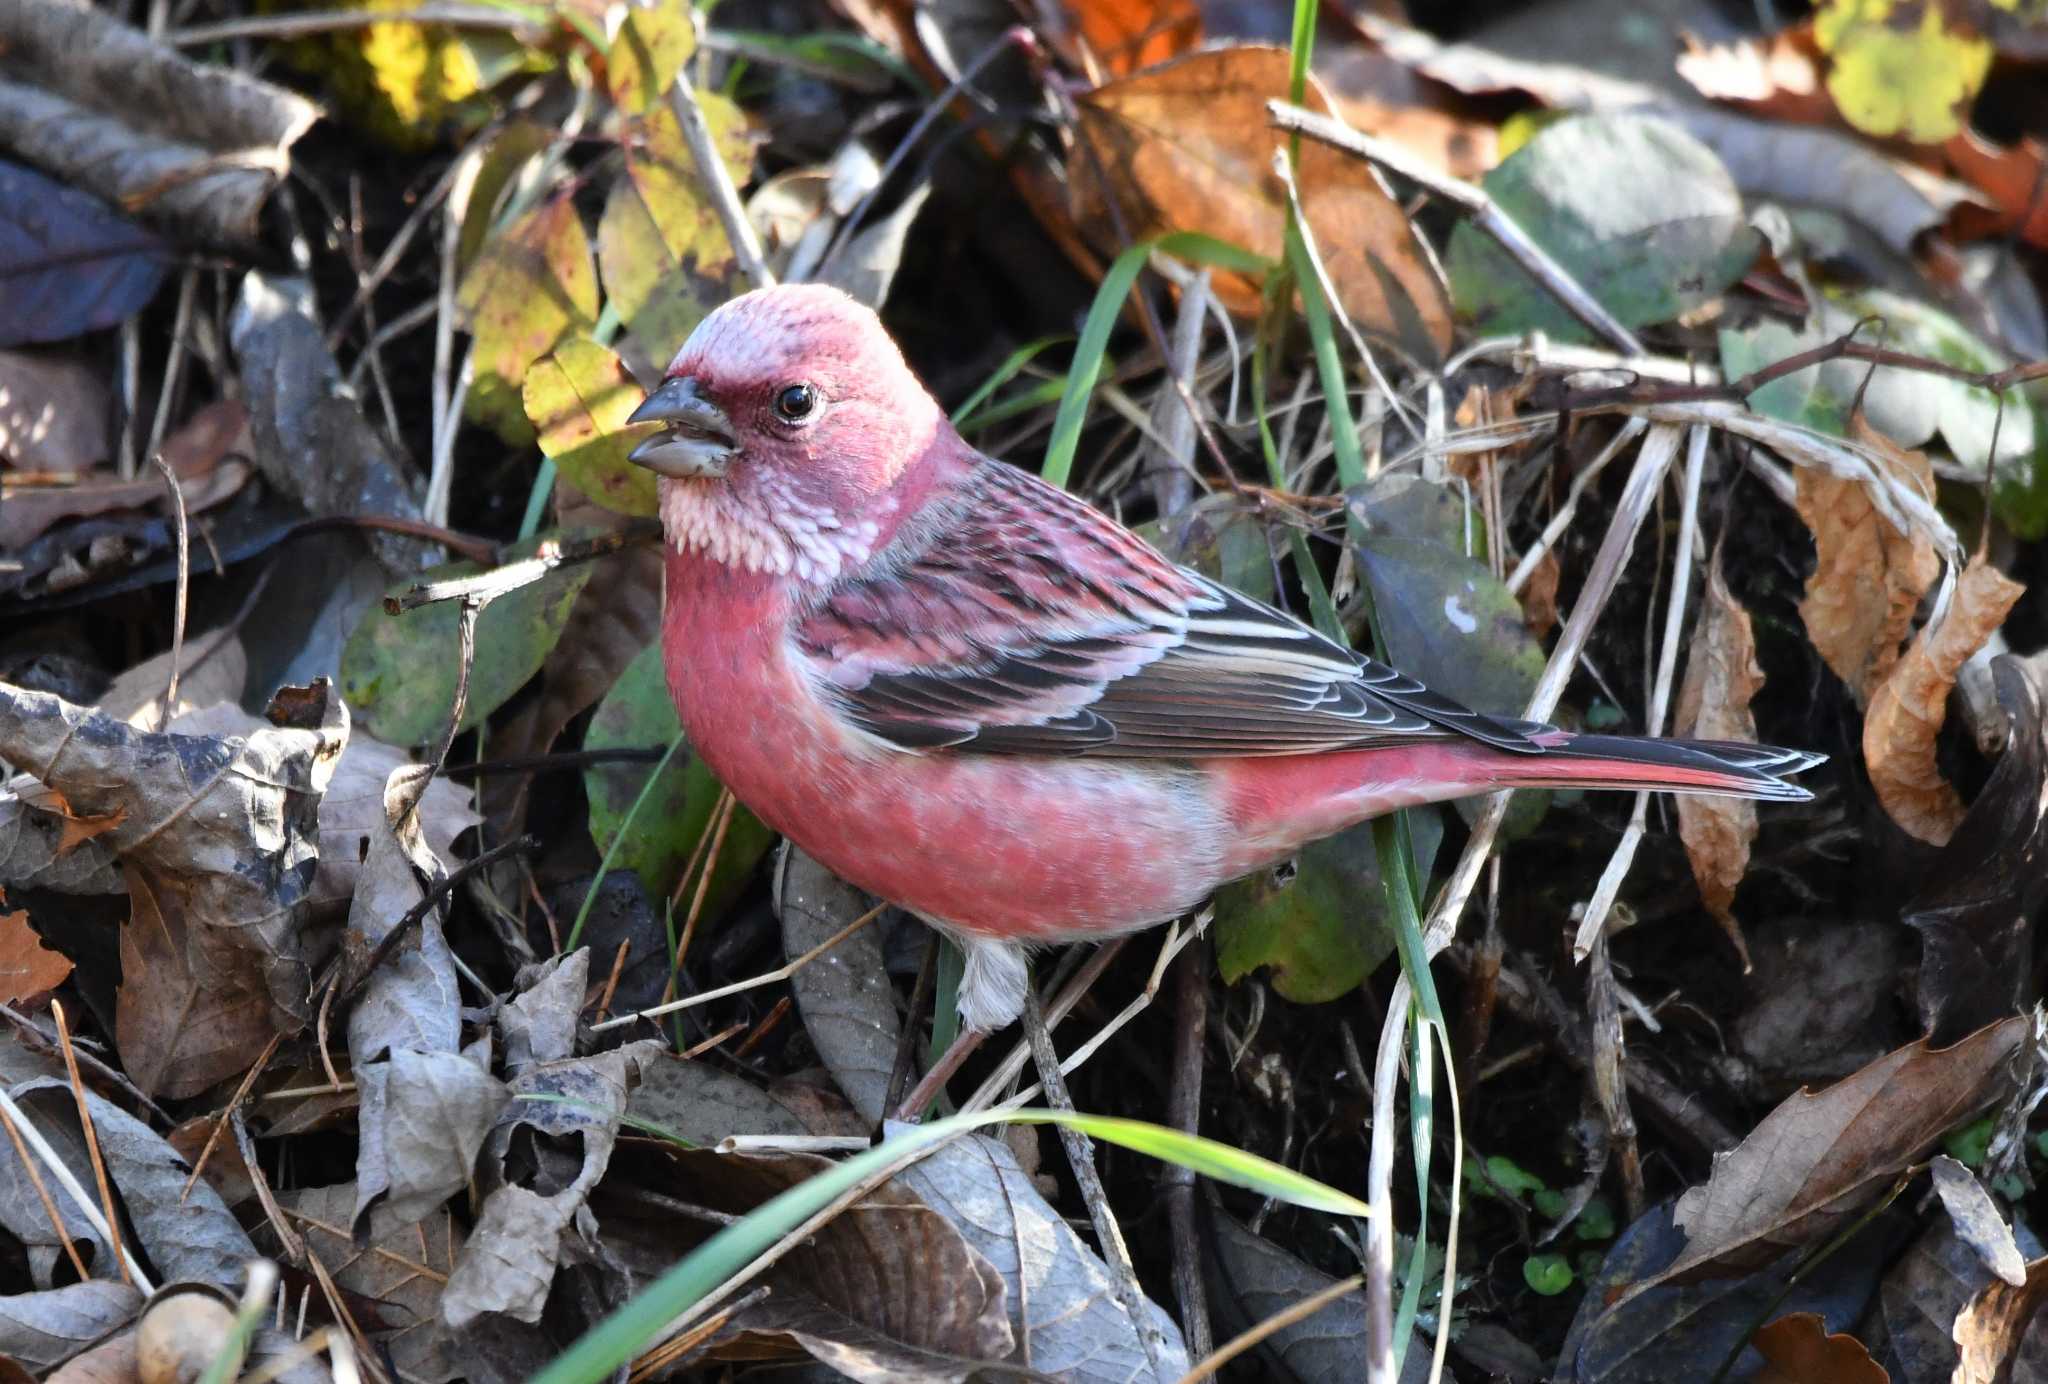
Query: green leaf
1221, 537
1441, 613
651, 47
1899, 70
578, 398
638, 712
1640, 212
1320, 926
398, 672
616, 1339
1548, 1274
532, 285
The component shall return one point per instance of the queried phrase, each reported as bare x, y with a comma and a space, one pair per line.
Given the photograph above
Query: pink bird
975, 696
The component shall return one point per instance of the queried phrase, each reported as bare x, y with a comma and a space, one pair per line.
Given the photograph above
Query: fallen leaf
28, 512
1372, 91
1186, 146
27, 967
212, 668
1999, 1333
1721, 680
1980, 902
71, 264
44, 1329
1776, 76
1056, 1291
1640, 212
1924, 1291
1820, 1157
1799, 1349
399, 672
398, 1269
2010, 177
424, 1117
219, 847
1868, 576
1977, 1219
847, 1002
1908, 708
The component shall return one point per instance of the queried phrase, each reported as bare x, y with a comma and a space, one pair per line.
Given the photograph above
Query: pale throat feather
762, 525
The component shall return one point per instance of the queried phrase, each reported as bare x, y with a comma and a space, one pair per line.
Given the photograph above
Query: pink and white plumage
977, 697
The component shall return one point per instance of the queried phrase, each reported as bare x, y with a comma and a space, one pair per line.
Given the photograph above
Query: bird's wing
1029, 622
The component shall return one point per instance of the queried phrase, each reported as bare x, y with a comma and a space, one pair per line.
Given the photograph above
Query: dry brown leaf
1868, 578
1374, 92
212, 667
111, 1362
1187, 147
27, 967
1908, 708
1821, 1156
1721, 680
26, 513
1999, 1332
1539, 595
1798, 1349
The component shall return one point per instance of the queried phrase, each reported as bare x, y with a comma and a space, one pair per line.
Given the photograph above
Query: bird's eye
795, 402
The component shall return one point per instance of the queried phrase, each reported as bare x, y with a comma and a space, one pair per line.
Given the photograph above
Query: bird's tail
1729, 768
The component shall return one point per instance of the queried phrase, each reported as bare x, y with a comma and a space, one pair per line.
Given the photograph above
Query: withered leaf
47, 1328
1186, 146
1799, 1349
1977, 1219
219, 842
1909, 706
1721, 680
398, 1269
1821, 1156
1868, 577
889, 1290
27, 967
1125, 36
2000, 1334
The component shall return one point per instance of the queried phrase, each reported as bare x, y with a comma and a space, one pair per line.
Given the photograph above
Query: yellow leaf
578, 398
651, 47
532, 284
1912, 83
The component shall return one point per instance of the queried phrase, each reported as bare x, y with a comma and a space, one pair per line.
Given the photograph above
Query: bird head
791, 396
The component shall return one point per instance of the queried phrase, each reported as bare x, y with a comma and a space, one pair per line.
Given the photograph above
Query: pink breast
1016, 846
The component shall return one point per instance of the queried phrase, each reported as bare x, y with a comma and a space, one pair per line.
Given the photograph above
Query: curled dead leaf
27, 967
1908, 708
1721, 680
1799, 1349
1869, 576
1992, 1333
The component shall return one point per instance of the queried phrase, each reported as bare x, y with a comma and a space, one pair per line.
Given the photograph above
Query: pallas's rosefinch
977, 697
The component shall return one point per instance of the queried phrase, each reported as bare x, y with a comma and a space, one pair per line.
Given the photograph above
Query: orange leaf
1907, 710
1799, 1349
1126, 35
27, 967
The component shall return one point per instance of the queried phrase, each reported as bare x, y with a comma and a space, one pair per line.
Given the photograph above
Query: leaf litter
423, 1055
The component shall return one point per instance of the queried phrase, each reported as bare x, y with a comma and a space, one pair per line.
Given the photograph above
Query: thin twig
1123, 1275
780, 973
440, 890
1184, 1112
485, 587
1279, 1321
85, 1122
220, 1125
183, 588
330, 21
717, 182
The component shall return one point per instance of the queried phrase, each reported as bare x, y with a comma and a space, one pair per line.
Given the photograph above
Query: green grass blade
619, 1337
1102, 315
1002, 375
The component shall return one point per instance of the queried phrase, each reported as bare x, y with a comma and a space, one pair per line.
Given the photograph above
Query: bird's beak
698, 439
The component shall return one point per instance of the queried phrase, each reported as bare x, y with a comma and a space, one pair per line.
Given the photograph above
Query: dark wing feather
1030, 623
